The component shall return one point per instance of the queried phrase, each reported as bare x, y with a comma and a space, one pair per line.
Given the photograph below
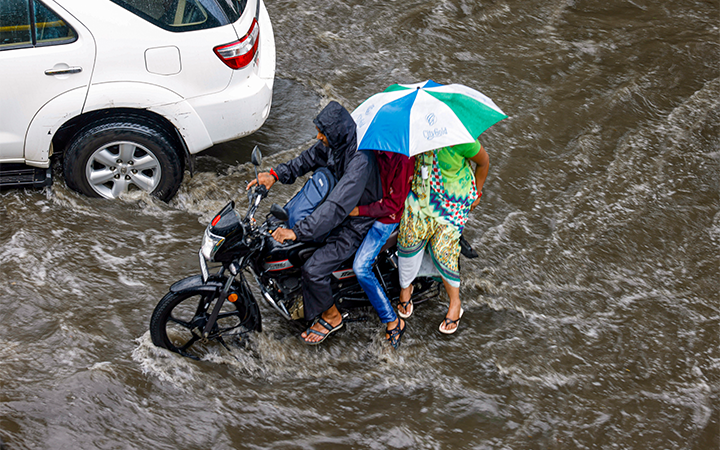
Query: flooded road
592, 314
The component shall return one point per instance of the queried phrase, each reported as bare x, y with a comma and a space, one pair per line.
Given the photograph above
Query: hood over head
335, 122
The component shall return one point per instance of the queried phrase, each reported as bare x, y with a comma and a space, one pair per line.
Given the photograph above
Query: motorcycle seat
392, 240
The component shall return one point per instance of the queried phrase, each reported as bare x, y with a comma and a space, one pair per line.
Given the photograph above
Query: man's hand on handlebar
283, 234
265, 178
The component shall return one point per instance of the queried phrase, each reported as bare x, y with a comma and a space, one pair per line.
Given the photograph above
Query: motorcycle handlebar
261, 190
254, 196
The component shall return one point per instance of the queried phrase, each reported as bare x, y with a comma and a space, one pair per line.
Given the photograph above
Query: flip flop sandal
395, 335
446, 322
409, 309
407, 306
323, 336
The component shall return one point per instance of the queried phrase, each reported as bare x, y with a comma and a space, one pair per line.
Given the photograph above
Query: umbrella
414, 118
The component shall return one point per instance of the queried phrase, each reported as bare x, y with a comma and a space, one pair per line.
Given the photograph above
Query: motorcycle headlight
210, 244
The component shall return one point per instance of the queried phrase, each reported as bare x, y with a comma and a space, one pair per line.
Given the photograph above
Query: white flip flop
446, 322
408, 312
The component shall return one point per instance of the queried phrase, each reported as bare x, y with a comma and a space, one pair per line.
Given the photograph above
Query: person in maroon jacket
396, 172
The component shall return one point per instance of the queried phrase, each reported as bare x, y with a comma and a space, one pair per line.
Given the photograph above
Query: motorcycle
220, 306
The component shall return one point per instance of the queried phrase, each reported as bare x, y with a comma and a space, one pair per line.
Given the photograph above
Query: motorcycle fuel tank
288, 255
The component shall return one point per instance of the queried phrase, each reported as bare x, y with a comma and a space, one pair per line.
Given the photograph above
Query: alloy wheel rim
115, 168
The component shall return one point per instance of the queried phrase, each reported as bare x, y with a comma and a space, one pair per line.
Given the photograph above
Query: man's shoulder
363, 154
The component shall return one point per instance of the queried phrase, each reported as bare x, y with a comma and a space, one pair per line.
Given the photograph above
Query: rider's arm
265, 178
286, 173
309, 160
343, 198
393, 201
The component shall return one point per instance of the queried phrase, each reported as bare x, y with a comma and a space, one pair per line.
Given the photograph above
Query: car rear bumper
235, 112
242, 107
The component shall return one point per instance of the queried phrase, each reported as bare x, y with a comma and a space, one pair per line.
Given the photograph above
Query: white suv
128, 90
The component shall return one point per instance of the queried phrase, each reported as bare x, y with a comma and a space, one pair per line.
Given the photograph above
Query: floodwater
592, 314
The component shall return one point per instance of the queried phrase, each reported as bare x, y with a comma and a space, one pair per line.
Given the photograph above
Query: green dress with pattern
436, 211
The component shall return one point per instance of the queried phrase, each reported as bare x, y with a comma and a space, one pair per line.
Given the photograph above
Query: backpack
312, 194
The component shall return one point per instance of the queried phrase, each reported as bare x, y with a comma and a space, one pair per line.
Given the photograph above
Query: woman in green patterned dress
445, 189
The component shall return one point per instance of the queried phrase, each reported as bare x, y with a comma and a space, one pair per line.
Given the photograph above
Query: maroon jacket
396, 172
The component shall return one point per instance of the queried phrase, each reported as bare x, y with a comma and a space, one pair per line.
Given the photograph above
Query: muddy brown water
592, 314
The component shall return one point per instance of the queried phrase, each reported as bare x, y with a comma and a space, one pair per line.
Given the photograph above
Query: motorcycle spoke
217, 332
188, 344
180, 322
203, 305
225, 315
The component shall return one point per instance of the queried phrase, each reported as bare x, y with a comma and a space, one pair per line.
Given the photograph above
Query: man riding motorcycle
358, 183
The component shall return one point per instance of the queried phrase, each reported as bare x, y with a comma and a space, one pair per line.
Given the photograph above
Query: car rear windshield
186, 15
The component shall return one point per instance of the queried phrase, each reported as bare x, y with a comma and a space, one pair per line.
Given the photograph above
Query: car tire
114, 156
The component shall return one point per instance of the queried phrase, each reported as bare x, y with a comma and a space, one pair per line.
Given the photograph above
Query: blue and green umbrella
415, 118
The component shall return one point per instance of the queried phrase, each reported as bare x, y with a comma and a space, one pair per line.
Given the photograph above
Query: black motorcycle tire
179, 313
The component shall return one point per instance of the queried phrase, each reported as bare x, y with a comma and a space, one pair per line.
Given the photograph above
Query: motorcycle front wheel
179, 319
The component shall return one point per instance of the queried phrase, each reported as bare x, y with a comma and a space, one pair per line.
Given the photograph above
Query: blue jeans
363, 268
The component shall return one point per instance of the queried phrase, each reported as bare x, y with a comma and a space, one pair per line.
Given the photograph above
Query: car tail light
239, 54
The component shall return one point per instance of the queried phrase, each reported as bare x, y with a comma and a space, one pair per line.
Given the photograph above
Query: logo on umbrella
431, 119
431, 134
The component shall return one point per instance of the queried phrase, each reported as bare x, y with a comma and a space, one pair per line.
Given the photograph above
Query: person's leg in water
317, 294
454, 310
444, 251
412, 239
332, 318
405, 306
444, 248
363, 268
316, 275
452, 317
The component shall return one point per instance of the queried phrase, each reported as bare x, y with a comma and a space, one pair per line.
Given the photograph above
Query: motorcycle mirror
279, 212
256, 156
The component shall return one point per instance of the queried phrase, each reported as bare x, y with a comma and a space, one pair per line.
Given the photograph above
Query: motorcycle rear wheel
180, 317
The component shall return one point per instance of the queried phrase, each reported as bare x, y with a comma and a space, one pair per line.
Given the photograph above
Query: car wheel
115, 156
